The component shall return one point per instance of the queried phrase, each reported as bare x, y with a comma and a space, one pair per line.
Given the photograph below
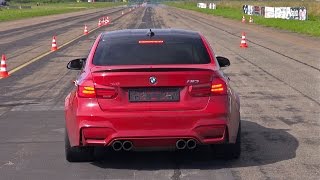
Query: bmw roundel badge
153, 80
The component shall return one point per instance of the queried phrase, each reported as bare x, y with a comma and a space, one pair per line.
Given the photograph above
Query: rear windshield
130, 52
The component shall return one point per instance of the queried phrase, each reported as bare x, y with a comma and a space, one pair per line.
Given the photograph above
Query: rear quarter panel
234, 112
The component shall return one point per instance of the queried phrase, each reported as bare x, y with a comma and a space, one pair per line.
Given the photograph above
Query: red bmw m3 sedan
151, 89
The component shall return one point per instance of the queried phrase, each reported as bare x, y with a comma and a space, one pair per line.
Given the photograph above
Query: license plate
154, 95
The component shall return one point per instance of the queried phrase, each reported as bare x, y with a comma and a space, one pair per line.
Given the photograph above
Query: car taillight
200, 90
87, 89
106, 92
217, 87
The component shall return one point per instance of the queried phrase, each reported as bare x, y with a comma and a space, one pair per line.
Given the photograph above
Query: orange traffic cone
54, 46
99, 23
243, 19
104, 21
3, 67
251, 20
107, 20
243, 43
85, 31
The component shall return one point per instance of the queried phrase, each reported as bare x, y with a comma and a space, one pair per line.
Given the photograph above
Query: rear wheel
229, 151
77, 154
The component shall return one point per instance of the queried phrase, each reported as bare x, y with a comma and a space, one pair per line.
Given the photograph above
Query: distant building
3, 2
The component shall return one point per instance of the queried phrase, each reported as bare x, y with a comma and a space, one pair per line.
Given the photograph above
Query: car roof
158, 33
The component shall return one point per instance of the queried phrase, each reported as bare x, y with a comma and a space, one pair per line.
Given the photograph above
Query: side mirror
76, 64
223, 62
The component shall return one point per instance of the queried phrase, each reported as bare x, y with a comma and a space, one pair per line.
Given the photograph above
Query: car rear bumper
94, 127
105, 133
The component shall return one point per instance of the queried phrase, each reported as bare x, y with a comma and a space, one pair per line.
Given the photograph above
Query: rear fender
234, 116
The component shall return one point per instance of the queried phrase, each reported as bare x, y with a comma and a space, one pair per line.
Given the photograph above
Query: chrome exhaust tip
191, 144
127, 145
181, 144
117, 145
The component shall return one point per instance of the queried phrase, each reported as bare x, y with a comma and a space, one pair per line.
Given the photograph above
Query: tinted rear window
128, 51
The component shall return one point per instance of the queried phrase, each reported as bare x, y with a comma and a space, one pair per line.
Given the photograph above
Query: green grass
310, 27
49, 9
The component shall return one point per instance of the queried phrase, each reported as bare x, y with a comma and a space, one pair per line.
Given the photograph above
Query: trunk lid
150, 89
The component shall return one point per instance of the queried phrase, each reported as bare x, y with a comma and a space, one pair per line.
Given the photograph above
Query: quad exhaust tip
191, 144
182, 144
117, 145
127, 145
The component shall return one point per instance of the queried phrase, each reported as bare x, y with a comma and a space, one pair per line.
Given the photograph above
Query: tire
78, 154
229, 151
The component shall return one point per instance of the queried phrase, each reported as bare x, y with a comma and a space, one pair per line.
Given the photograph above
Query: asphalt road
277, 77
